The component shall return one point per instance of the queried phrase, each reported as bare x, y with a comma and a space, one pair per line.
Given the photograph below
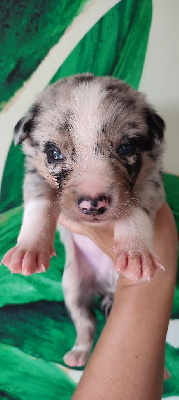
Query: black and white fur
93, 150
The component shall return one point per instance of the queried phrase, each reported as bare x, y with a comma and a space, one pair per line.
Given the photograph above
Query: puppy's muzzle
94, 206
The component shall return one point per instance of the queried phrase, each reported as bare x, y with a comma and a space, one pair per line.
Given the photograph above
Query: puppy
94, 153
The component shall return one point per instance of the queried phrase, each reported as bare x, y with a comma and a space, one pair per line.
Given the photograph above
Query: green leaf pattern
36, 330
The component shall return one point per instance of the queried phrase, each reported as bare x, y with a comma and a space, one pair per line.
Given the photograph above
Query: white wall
19, 104
160, 79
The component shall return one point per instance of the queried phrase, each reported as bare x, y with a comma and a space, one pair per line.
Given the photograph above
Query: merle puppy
93, 150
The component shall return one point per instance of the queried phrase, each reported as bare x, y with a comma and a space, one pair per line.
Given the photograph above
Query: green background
36, 330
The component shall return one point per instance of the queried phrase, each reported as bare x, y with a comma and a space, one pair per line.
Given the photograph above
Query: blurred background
41, 42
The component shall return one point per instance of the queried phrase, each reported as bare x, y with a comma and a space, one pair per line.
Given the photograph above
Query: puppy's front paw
137, 265
28, 259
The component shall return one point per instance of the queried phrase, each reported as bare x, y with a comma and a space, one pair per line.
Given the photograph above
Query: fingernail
25, 273
136, 279
54, 254
12, 272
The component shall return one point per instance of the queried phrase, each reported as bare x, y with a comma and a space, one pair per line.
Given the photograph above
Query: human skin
128, 360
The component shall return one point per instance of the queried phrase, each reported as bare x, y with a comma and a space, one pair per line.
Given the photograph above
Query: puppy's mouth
94, 212
93, 215
92, 219
94, 206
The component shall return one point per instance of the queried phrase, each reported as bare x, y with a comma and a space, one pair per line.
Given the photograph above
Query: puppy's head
96, 140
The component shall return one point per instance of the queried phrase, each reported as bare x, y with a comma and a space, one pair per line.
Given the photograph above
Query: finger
134, 268
148, 268
29, 263
16, 262
7, 257
120, 263
43, 262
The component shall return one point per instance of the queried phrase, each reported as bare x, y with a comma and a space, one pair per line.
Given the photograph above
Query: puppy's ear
26, 124
22, 130
156, 125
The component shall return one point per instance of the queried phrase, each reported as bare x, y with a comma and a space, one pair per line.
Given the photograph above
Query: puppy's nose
93, 206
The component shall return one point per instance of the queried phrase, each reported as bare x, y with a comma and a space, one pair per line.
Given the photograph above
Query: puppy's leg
36, 239
106, 303
133, 247
78, 301
78, 293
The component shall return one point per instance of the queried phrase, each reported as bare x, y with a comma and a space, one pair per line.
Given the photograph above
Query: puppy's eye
125, 148
55, 155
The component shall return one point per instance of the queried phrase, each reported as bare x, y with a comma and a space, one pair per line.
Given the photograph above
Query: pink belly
97, 259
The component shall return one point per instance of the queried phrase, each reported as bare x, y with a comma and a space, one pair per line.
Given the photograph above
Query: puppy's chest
93, 261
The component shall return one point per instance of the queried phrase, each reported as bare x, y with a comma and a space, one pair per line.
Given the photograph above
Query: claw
43, 268
54, 253
156, 262
161, 267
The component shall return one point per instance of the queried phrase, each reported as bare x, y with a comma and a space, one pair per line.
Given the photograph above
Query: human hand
134, 271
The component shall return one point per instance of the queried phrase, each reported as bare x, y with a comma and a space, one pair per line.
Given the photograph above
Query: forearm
128, 361
41, 209
35, 244
39, 220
